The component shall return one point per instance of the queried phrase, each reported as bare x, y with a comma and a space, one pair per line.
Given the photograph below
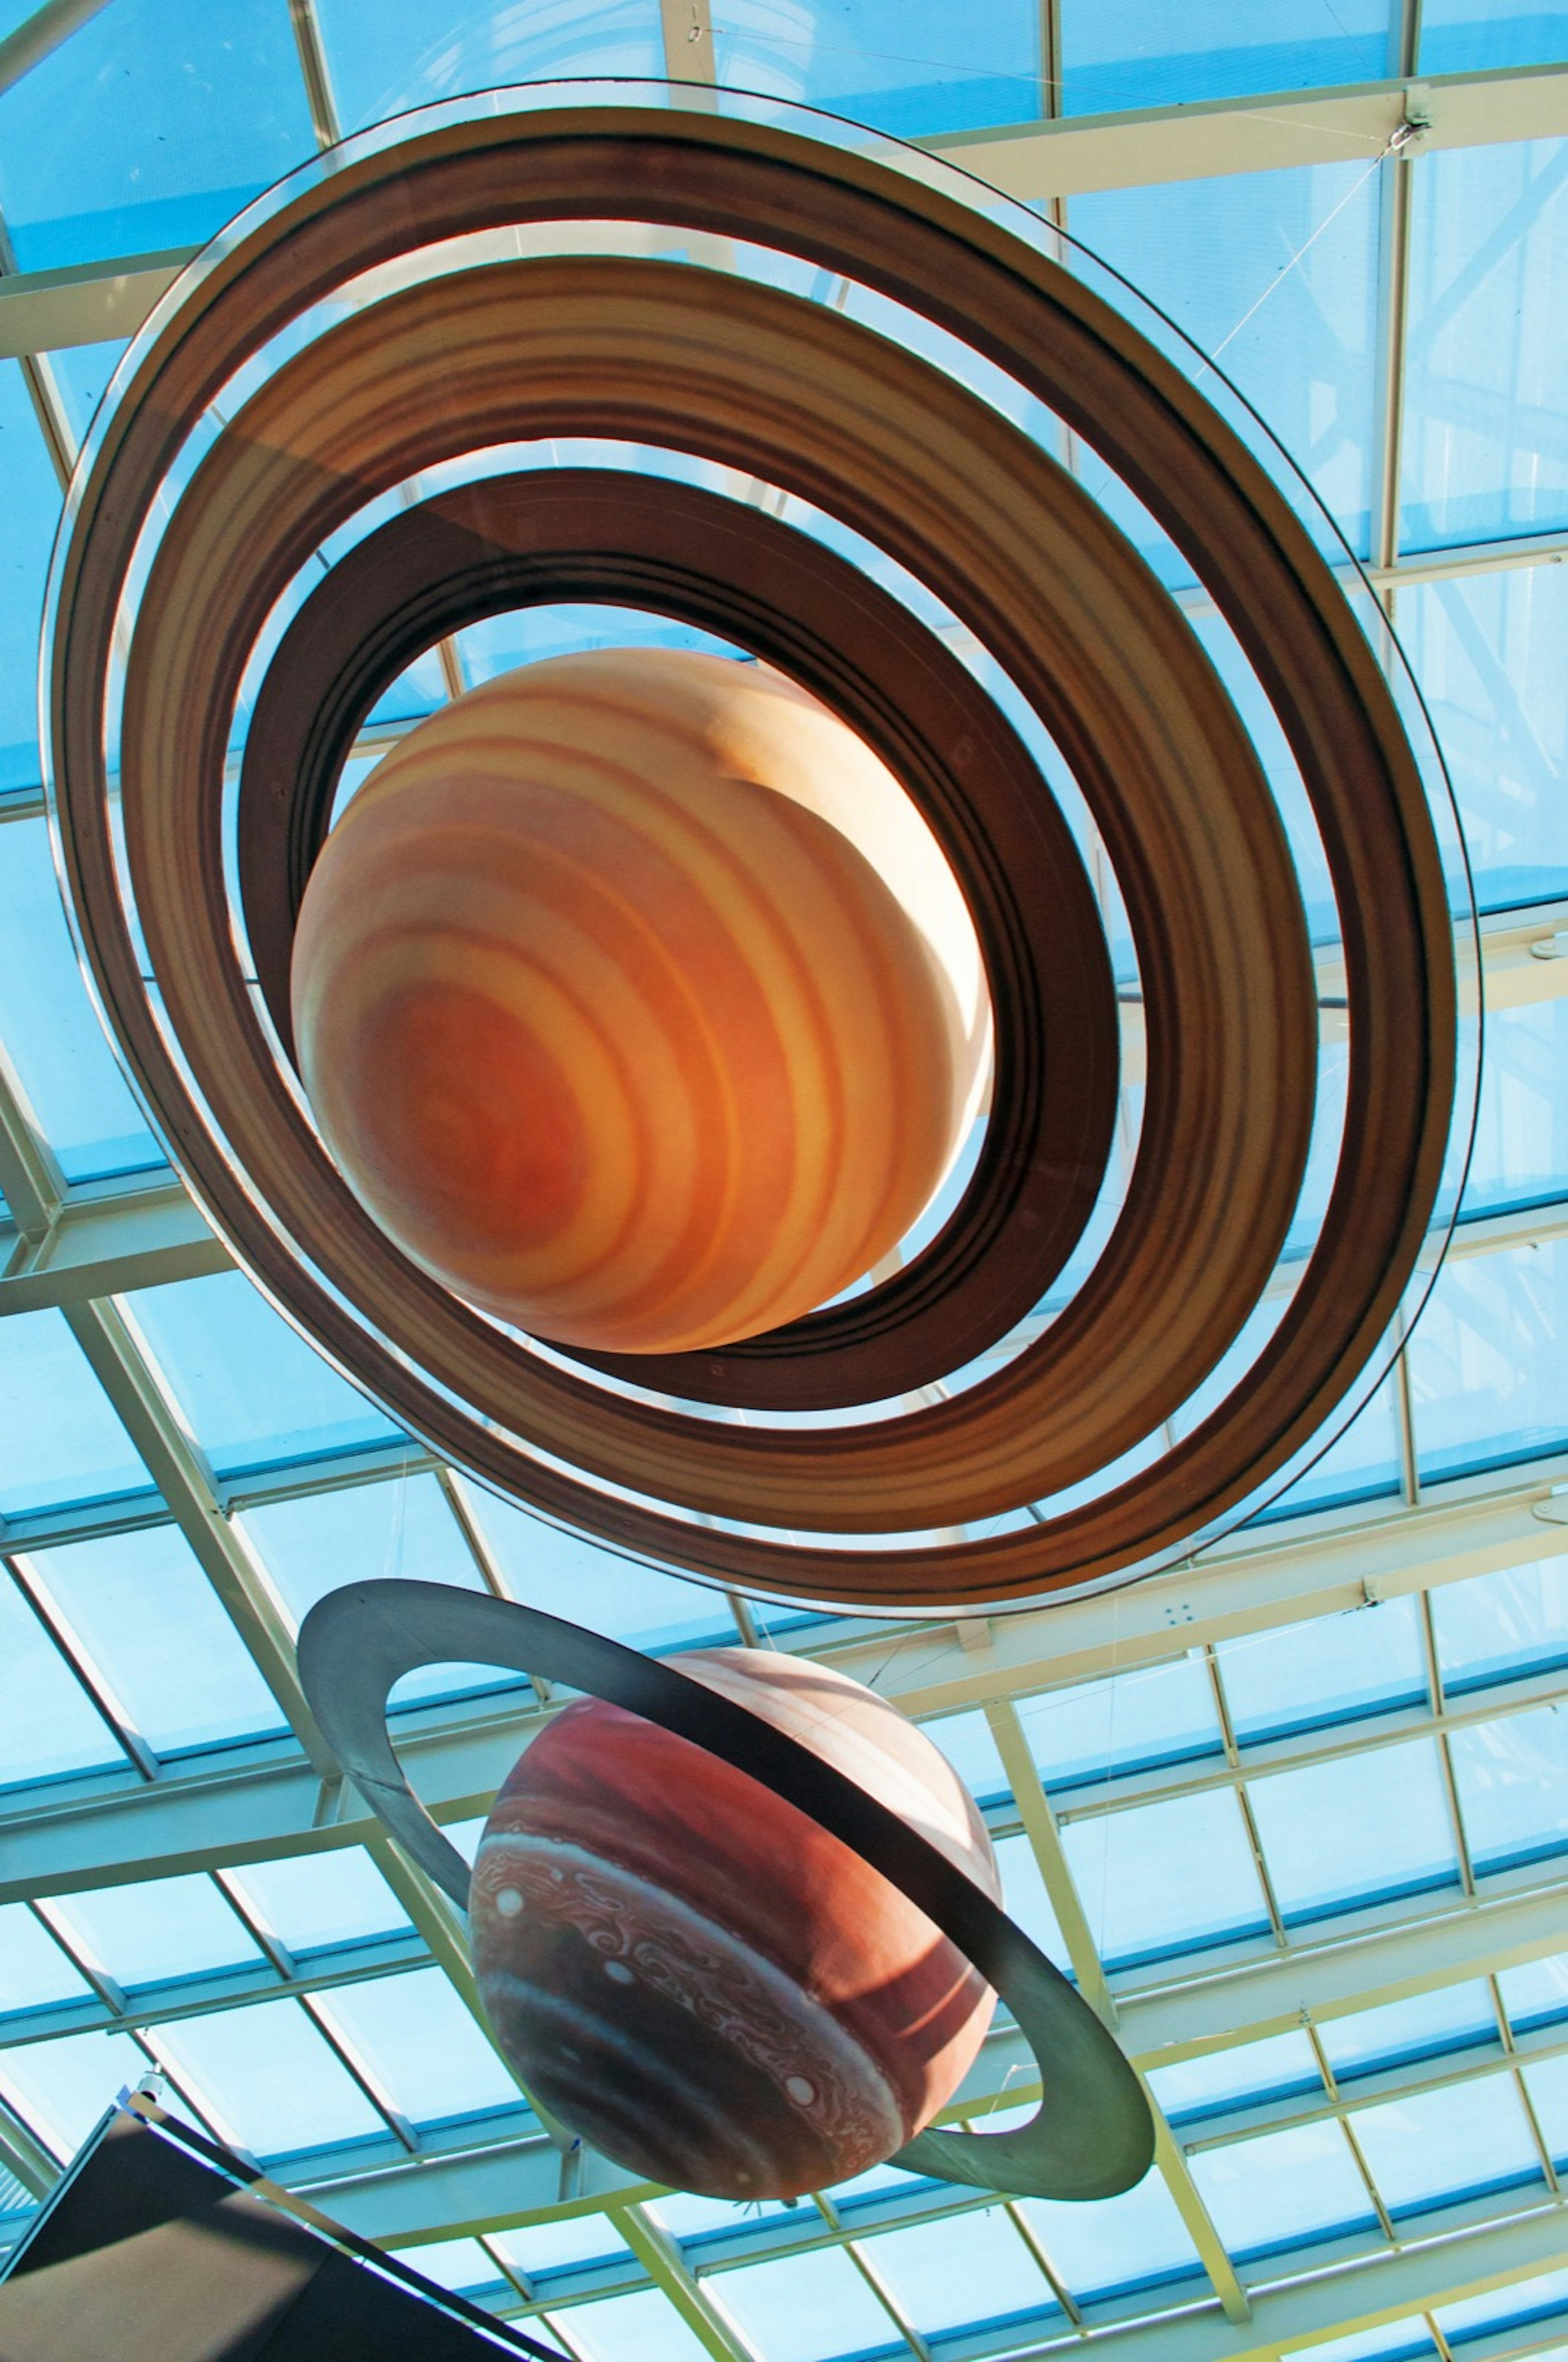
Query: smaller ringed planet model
636, 1002
731, 1916
695, 1976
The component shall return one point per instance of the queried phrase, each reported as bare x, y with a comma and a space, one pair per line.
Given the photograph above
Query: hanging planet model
700, 1980
636, 1002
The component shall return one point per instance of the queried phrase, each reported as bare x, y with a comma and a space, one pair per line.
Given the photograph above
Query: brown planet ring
663, 353
1093, 2135
609, 536
1054, 337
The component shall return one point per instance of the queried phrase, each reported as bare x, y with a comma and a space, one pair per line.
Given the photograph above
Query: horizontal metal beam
138, 1234
1075, 154
90, 303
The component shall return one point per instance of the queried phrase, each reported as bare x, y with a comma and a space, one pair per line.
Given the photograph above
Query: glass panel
1513, 1787
1474, 35
251, 1391
1498, 1626
1487, 652
953, 2274
178, 116
1537, 1993
1456, 2017
1166, 1877
360, 1533
61, 2087
319, 1900
1281, 2064
906, 66
1121, 2242
460, 2265
48, 1724
1161, 1714
689, 2217
538, 2248
965, 1741
267, 2079
1546, 2079
1274, 277
34, 1971
1489, 1360
1450, 2144
1283, 2189
529, 634
153, 1625
81, 374
1484, 452
1539, 2299
1024, 1892
59, 1441
67, 1070
804, 2308
1362, 1464
1521, 1138
32, 509
1119, 53
1355, 1831
641, 2328
1327, 1670
157, 1930
420, 2047
403, 53
1397, 2341
559, 1571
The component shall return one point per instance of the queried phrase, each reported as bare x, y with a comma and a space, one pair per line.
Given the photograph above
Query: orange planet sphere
636, 1002
696, 1978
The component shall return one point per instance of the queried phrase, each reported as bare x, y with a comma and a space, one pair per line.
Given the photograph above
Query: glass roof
1297, 1815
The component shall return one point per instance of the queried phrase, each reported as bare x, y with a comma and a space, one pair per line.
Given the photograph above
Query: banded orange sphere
698, 1979
636, 1002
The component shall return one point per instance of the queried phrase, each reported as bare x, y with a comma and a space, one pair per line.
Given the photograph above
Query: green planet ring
1092, 2135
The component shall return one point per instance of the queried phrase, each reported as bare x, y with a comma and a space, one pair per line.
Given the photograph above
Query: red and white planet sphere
694, 1976
636, 1002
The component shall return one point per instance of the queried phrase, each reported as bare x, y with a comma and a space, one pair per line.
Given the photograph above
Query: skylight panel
464, 2266
904, 66
1023, 1892
49, 1725
179, 117
1498, 1626
267, 2079
1475, 36
358, 1533
403, 53
1543, 2299
1489, 654
1423, 2025
1123, 53
1482, 452
419, 2046
1437, 2146
1546, 2080
1331, 1669
642, 2327
559, 1571
808, 2308
688, 2216
1207, 250
157, 1929
562, 2245
1487, 1370
1195, 2088
32, 511
965, 1739
61, 2087
1362, 1464
34, 1971
1356, 1830
1520, 1157
1536, 1993
1512, 1777
1157, 1713
251, 1391
315, 1901
1395, 2341
1135, 2241
153, 1625
960, 2271
52, 1037
1161, 1879
1283, 2189
59, 1441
